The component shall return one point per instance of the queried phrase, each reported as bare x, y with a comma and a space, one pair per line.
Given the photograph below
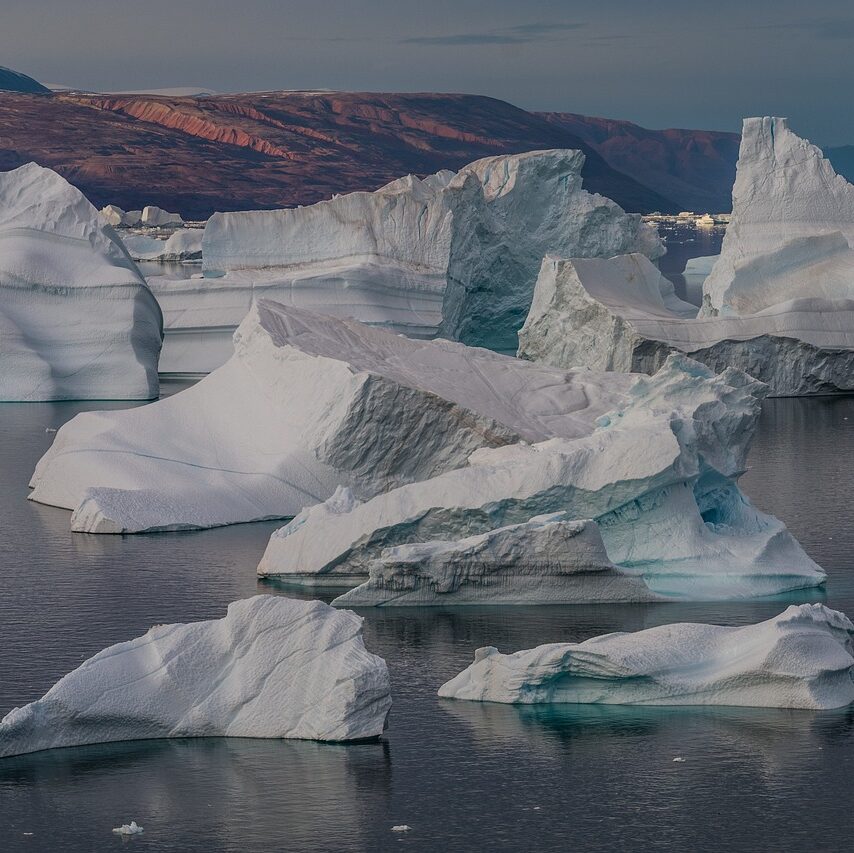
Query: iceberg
77, 321
454, 255
185, 244
778, 302
547, 560
153, 215
307, 403
658, 476
115, 216
790, 214
799, 659
622, 314
271, 668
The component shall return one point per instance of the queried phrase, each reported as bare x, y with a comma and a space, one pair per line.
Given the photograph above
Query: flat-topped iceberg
454, 255
778, 302
153, 215
658, 476
77, 321
307, 403
799, 659
547, 560
271, 668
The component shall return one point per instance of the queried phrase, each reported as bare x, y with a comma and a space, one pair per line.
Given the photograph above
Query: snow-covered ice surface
548, 559
185, 244
77, 321
273, 667
658, 475
778, 300
307, 403
799, 659
455, 254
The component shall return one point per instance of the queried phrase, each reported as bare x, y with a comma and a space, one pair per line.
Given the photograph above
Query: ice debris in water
132, 828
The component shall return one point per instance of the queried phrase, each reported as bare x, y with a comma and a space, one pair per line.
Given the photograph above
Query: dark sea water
464, 776
683, 243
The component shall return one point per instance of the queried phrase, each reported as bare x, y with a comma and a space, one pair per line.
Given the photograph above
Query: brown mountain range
196, 155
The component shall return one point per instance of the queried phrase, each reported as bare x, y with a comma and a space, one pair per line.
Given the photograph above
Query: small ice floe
401, 827
49, 429
132, 828
679, 758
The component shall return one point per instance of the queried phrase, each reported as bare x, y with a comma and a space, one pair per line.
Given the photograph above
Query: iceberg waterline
273, 667
799, 659
778, 301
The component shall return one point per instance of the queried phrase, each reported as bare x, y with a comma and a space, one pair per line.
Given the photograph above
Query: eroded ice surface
622, 314
799, 659
77, 321
658, 476
273, 667
307, 403
455, 254
778, 301
547, 560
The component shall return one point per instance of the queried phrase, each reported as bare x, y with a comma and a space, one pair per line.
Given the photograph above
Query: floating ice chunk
622, 314
153, 215
132, 828
272, 667
658, 476
77, 320
401, 827
307, 403
546, 560
799, 659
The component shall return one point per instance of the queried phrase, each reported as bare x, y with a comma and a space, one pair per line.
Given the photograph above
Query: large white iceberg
307, 403
778, 301
454, 255
799, 659
153, 215
658, 475
547, 560
77, 320
271, 668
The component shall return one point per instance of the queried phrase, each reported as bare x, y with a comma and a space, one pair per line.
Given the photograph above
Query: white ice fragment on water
132, 828
273, 667
679, 758
402, 827
799, 659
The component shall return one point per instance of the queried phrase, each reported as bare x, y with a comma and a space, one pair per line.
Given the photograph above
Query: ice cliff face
658, 476
77, 320
791, 213
622, 314
454, 254
799, 659
778, 302
185, 244
271, 668
307, 403
549, 559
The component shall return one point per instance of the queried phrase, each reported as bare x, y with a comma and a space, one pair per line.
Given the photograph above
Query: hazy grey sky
659, 63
